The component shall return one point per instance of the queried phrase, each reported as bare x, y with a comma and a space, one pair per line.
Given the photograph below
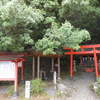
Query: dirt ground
78, 89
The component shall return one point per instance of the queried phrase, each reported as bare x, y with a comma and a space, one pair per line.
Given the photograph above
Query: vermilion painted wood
16, 60
65, 48
79, 53
16, 77
96, 63
90, 46
83, 51
85, 46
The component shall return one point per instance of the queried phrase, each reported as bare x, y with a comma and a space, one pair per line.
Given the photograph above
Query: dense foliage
46, 25
17, 21
37, 86
84, 14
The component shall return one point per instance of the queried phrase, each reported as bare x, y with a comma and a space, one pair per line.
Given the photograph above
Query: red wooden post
16, 78
84, 52
96, 63
71, 65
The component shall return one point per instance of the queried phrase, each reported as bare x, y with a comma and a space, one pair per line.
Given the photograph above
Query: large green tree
40, 25
83, 14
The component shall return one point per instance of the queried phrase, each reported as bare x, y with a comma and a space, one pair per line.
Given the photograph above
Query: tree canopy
83, 14
46, 25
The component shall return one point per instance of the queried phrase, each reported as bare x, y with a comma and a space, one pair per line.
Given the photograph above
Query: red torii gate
84, 51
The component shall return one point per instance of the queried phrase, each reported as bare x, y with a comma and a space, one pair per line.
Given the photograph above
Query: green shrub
37, 86
10, 90
98, 91
98, 80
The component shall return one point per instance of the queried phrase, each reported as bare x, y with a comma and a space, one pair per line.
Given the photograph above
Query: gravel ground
78, 88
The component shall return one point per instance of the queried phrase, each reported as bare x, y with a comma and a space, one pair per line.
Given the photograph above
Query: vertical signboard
27, 89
